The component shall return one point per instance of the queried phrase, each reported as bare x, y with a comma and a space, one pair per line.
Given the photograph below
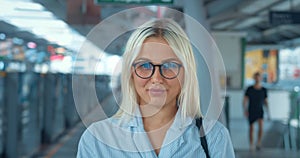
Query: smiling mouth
156, 92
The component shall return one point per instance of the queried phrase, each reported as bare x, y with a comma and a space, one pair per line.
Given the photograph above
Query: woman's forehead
156, 49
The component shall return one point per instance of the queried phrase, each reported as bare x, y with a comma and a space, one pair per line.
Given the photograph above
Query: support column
207, 77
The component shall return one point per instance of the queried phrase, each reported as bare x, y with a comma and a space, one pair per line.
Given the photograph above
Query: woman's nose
156, 77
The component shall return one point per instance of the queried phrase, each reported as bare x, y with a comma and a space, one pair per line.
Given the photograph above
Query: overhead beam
250, 47
291, 43
256, 13
218, 6
236, 14
57, 7
230, 33
228, 16
277, 29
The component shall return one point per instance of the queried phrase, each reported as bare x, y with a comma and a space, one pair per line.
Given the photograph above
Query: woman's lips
157, 91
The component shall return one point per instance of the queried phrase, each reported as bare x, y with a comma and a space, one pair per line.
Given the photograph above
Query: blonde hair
189, 98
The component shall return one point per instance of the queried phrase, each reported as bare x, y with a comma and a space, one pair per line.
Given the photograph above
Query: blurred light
28, 6
31, 45
152, 8
1, 65
56, 57
63, 66
26, 14
41, 68
35, 23
60, 50
34, 18
16, 67
51, 50
297, 89
2, 36
109, 65
18, 41
294, 123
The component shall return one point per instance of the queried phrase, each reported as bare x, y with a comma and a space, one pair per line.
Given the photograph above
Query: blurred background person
255, 97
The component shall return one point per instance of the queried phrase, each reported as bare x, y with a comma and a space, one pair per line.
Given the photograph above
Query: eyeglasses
145, 69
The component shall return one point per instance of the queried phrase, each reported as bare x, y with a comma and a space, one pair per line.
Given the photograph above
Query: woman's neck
158, 117
157, 124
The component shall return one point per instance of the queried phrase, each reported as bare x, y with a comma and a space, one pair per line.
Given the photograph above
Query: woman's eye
170, 65
146, 66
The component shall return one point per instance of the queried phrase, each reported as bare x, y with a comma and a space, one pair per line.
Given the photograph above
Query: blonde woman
160, 104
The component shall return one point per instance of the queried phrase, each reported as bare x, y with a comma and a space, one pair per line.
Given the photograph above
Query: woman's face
157, 91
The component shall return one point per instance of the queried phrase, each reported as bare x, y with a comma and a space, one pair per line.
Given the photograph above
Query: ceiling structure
252, 17
32, 22
13, 31
247, 16
242, 16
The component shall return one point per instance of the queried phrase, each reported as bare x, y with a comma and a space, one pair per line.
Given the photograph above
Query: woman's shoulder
106, 131
106, 124
102, 138
216, 128
93, 127
101, 123
218, 140
109, 128
110, 135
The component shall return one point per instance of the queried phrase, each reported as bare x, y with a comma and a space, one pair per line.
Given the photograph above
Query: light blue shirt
113, 138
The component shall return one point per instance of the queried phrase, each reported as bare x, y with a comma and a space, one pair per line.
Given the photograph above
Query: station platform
66, 146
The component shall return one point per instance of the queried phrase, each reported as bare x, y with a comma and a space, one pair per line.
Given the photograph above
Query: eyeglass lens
168, 70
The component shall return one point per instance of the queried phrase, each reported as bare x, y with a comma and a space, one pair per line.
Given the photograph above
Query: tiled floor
272, 141
272, 138
267, 153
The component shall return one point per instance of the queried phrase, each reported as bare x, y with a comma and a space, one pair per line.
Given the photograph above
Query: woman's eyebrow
163, 61
171, 59
142, 59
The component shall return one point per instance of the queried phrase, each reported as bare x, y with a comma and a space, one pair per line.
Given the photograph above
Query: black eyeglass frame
160, 69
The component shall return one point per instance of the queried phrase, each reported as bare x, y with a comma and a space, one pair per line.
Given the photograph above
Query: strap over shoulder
202, 136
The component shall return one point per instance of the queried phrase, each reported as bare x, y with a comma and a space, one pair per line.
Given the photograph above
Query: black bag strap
202, 136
